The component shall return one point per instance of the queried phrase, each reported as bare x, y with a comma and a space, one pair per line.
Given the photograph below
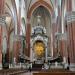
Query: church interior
37, 37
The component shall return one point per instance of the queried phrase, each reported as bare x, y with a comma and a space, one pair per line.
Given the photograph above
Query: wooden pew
56, 73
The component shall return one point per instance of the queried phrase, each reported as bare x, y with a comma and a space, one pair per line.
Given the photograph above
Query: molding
2, 20
70, 16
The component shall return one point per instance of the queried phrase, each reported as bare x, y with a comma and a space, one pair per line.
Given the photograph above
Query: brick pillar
1, 7
28, 32
73, 28
17, 37
71, 34
71, 38
0, 44
63, 46
17, 47
69, 5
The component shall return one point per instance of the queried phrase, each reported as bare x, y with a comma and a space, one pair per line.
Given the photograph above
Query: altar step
37, 67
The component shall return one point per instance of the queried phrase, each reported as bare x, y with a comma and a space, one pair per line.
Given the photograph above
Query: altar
39, 41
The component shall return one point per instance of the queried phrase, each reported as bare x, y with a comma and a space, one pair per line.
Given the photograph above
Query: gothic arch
29, 14
36, 5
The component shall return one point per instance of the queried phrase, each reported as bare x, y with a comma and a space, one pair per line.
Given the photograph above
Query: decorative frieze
61, 36
70, 16
2, 20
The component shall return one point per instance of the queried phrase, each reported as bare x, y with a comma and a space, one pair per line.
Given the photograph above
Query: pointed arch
29, 15
37, 4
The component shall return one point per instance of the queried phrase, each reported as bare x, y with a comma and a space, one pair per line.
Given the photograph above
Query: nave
37, 35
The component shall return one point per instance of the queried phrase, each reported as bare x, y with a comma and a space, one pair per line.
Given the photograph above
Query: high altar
39, 41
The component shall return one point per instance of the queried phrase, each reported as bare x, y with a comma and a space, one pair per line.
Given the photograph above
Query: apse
41, 17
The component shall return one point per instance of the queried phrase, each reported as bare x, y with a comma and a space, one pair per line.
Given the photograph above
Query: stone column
46, 54
2, 7
31, 55
69, 5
